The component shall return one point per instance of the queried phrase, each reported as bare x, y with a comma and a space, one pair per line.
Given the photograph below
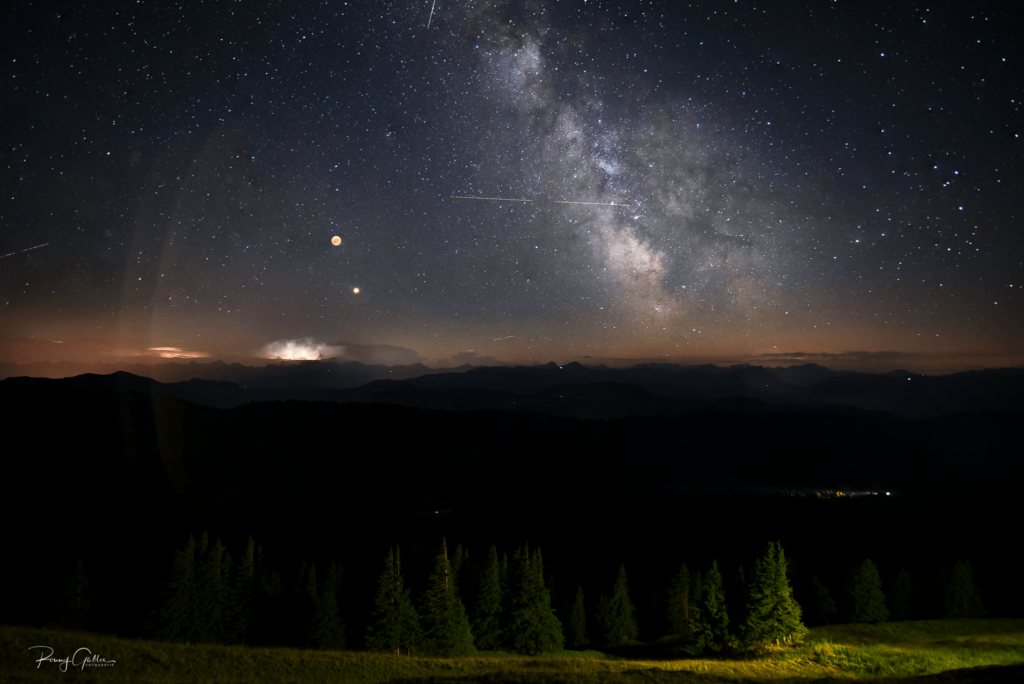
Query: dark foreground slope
122, 478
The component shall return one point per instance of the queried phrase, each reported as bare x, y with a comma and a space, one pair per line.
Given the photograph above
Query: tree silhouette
901, 595
621, 621
866, 595
533, 627
824, 602
713, 626
962, 600
177, 618
578, 622
395, 624
772, 614
212, 592
789, 613
328, 630
445, 623
679, 601
487, 625
239, 618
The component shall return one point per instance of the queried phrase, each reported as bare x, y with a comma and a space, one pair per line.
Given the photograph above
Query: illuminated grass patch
843, 651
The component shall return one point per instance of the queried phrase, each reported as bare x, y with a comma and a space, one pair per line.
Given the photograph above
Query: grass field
908, 651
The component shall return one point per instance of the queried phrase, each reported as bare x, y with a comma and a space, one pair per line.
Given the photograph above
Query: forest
501, 604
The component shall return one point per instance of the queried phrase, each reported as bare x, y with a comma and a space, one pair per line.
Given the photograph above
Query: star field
822, 178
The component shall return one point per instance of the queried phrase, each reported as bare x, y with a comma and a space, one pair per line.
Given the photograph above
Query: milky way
736, 180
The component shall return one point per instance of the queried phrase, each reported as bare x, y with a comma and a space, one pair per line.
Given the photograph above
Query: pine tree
866, 595
328, 630
212, 597
225, 595
679, 601
487, 625
396, 626
790, 615
503, 575
202, 546
457, 560
760, 623
533, 627
446, 625
578, 623
260, 597
825, 603
621, 626
713, 627
177, 618
962, 600
506, 576
467, 579
698, 589
239, 618
74, 602
901, 595
552, 639
300, 607
772, 613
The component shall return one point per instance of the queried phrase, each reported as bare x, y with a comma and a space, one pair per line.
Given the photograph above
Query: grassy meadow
890, 651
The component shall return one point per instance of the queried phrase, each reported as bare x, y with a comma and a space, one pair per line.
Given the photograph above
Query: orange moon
335, 240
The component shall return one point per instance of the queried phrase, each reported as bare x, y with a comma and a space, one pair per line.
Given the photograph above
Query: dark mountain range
580, 391
283, 374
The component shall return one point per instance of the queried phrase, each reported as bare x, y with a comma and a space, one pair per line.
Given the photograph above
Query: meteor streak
431, 12
600, 204
27, 249
492, 199
512, 199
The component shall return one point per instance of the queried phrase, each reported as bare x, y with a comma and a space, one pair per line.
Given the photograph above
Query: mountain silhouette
643, 390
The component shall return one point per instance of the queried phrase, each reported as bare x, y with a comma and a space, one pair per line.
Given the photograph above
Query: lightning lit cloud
306, 349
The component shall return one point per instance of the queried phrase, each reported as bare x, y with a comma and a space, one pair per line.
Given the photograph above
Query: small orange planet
355, 290
335, 240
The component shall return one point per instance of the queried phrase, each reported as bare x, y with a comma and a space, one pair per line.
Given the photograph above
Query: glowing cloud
177, 353
306, 349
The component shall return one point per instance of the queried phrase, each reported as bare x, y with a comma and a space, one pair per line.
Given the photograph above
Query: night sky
759, 182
